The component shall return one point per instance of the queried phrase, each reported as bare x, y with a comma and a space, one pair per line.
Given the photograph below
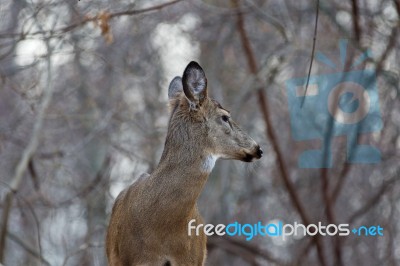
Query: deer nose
259, 152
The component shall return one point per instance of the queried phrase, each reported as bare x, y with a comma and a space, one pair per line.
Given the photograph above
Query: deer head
199, 118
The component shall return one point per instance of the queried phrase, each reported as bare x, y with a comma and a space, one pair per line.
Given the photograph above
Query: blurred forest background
83, 111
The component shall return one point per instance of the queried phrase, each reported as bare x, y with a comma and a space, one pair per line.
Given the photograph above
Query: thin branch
144, 10
271, 134
267, 17
88, 19
325, 182
82, 248
356, 20
27, 153
339, 184
329, 210
4, 226
331, 16
312, 51
33, 174
391, 44
27, 247
34, 215
375, 199
97, 181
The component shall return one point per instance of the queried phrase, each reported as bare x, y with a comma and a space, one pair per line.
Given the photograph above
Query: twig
312, 52
144, 10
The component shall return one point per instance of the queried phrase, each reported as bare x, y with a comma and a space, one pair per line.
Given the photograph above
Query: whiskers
252, 167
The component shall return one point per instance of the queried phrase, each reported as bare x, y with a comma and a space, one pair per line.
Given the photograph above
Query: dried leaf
103, 20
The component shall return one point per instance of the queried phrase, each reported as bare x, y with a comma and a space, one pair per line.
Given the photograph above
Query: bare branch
53, 33
356, 20
27, 153
27, 247
391, 44
271, 134
32, 211
375, 199
82, 248
312, 51
144, 10
33, 174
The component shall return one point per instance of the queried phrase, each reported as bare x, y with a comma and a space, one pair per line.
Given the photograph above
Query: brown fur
149, 220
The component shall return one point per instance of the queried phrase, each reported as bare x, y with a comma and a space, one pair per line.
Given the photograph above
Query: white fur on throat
208, 163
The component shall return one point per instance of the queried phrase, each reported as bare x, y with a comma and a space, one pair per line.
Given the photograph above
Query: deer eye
225, 118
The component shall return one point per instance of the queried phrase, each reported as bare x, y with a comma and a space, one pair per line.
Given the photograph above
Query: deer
149, 219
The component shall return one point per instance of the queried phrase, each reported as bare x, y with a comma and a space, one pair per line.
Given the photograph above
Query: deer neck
180, 176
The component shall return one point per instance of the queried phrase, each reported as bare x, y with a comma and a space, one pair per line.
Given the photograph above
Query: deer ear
194, 83
175, 87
